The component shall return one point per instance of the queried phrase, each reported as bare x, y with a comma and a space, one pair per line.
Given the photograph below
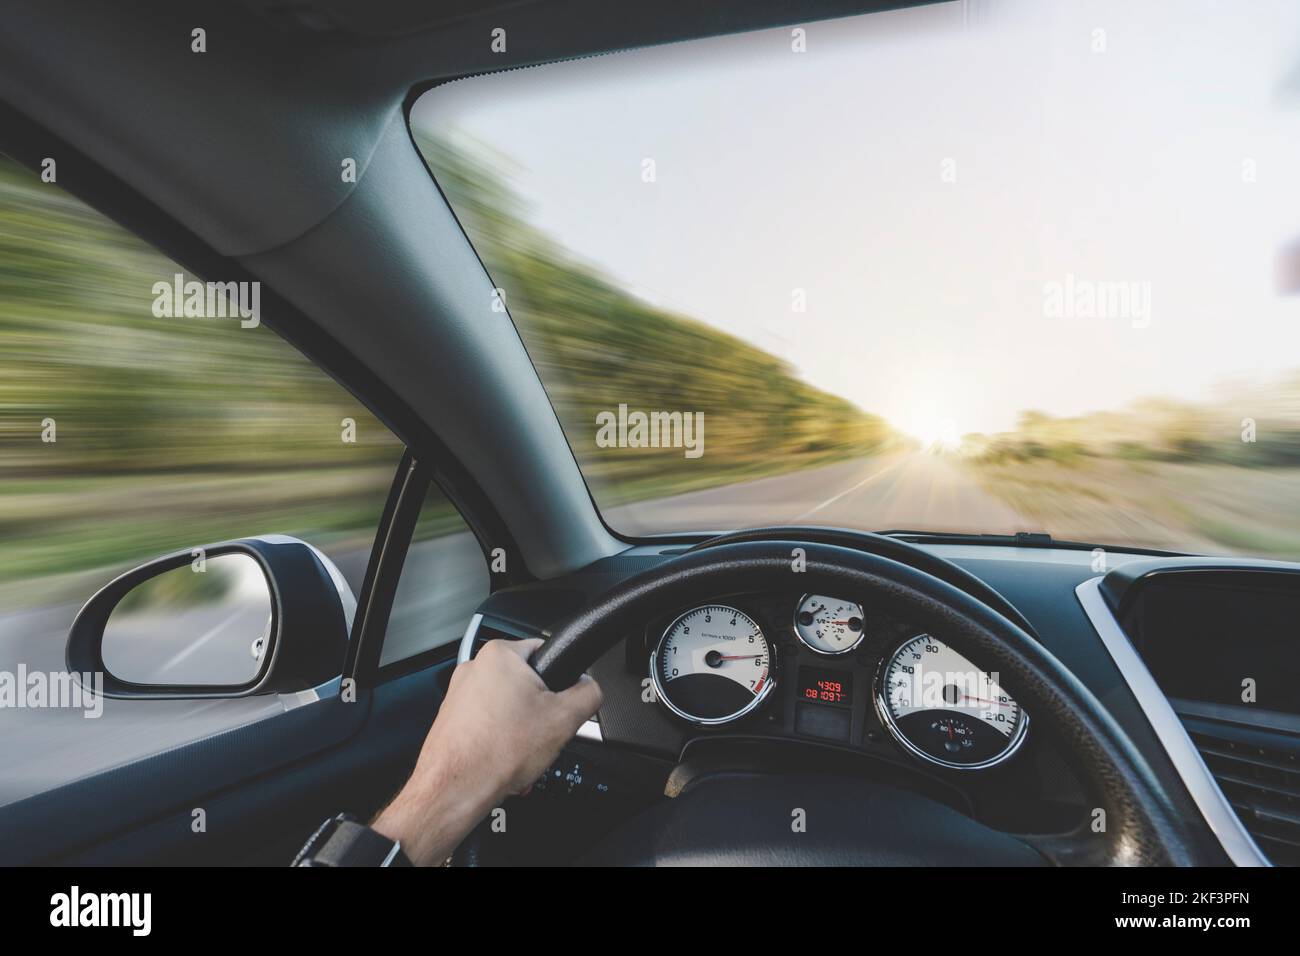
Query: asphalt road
443, 582
908, 490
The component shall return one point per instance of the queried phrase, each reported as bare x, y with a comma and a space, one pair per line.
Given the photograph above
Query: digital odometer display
822, 685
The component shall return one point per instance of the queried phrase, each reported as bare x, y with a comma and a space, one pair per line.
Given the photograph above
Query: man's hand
498, 729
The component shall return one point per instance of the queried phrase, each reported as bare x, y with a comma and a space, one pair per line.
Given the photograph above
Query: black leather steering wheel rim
1143, 823
887, 547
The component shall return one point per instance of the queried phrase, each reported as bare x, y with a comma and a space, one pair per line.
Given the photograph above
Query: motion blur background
922, 388
842, 245
170, 433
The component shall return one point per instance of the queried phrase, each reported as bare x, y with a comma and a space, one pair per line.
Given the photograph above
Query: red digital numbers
826, 691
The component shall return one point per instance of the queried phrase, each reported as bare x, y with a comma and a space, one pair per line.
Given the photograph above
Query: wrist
434, 811
342, 841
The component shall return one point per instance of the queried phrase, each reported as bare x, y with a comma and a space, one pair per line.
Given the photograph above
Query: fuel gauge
828, 625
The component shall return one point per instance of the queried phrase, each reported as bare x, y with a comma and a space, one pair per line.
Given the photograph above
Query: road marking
200, 641
834, 498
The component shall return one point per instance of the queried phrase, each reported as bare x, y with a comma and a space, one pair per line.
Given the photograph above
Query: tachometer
944, 709
828, 625
712, 665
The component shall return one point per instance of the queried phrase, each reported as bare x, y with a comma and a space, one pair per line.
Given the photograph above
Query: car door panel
262, 788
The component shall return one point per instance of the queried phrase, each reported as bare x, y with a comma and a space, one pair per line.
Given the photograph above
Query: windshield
965, 268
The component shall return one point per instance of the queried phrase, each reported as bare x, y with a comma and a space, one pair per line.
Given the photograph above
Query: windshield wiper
1021, 539
1024, 539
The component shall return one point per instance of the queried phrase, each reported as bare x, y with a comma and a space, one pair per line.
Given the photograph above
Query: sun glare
933, 432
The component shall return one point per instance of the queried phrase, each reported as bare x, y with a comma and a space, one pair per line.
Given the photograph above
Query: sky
926, 177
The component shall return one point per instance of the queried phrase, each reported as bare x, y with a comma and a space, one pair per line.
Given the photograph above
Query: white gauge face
944, 709
828, 625
712, 665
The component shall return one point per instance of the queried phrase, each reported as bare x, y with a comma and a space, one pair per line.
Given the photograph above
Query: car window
916, 270
141, 416
444, 578
130, 431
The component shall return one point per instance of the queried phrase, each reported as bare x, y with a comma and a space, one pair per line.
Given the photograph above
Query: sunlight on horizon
933, 434
1043, 246
825, 176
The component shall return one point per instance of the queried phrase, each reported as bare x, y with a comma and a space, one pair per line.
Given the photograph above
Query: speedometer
943, 709
712, 665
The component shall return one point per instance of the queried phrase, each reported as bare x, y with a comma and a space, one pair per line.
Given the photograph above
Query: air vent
1263, 785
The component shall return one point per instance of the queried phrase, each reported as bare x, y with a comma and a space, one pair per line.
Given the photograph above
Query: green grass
1179, 506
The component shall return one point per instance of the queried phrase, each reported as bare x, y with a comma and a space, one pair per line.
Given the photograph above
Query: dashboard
817, 683
828, 668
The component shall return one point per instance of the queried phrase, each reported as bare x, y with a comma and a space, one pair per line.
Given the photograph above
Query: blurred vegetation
132, 393
169, 432
1251, 424
174, 432
1160, 473
183, 588
596, 347
1214, 476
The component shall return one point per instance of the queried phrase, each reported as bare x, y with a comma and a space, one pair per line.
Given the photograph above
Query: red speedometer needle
995, 703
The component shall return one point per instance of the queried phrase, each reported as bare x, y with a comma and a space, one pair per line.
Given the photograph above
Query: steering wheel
730, 819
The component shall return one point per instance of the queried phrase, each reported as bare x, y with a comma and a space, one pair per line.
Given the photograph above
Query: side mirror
258, 615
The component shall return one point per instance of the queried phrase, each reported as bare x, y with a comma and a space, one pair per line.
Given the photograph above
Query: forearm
433, 813
498, 729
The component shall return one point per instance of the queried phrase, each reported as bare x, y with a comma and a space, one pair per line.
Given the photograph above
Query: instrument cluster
736, 660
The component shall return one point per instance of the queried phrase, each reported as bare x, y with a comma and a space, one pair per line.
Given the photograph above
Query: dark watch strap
342, 841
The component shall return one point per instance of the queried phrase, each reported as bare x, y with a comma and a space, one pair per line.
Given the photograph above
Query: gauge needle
995, 703
738, 657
